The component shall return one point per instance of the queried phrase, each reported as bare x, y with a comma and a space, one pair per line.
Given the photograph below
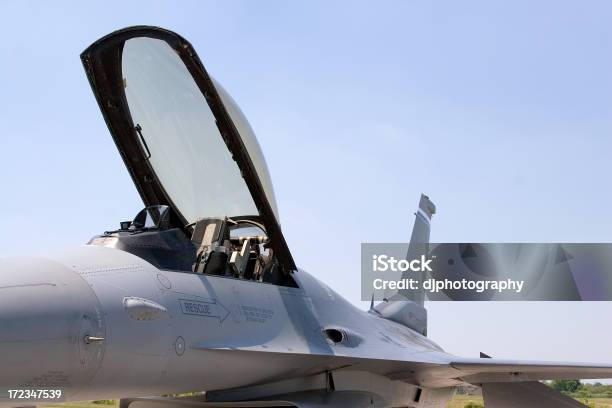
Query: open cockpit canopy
183, 139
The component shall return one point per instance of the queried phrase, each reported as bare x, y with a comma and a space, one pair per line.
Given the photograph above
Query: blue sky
500, 111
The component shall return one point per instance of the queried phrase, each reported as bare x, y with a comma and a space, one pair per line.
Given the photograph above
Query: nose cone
46, 313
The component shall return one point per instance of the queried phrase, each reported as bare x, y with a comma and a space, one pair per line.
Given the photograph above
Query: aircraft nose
51, 328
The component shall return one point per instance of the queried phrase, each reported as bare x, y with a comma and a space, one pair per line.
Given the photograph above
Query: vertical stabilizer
407, 306
419, 244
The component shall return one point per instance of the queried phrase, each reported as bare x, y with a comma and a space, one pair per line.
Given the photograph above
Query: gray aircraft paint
102, 323
221, 352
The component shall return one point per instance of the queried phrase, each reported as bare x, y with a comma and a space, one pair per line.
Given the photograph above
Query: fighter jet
198, 302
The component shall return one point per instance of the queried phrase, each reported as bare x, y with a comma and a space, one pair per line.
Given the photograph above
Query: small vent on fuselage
335, 336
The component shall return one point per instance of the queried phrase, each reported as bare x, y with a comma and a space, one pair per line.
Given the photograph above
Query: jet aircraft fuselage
200, 292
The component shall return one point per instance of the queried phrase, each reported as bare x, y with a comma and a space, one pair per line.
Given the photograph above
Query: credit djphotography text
383, 263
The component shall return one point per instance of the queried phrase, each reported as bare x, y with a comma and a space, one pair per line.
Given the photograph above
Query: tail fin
420, 231
407, 306
419, 244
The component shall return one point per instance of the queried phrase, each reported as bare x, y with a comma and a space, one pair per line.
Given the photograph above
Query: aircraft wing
479, 371
429, 369
513, 383
505, 383
487, 370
